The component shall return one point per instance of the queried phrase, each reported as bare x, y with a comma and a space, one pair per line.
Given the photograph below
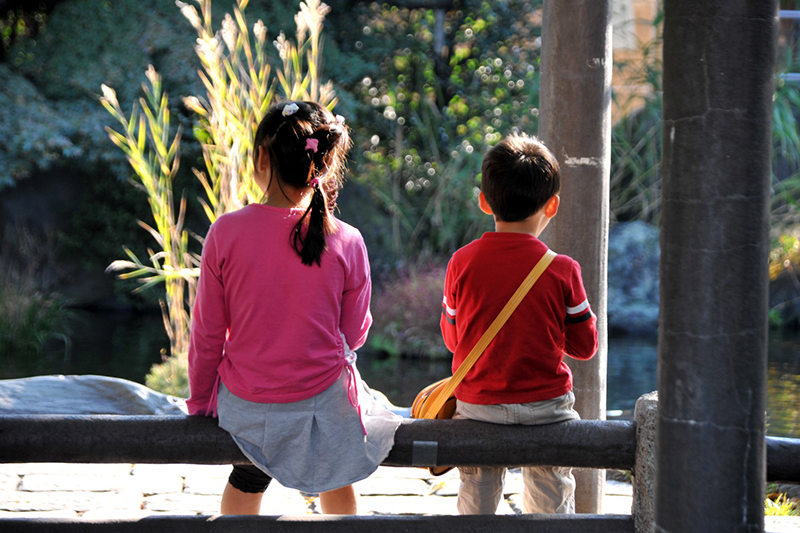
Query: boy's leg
548, 490
481, 487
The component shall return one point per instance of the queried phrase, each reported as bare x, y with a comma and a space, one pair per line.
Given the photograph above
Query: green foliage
785, 218
780, 505
113, 43
437, 119
783, 397
29, 318
635, 180
171, 376
30, 314
35, 134
19, 24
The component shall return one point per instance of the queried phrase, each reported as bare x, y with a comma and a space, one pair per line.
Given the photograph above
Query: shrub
171, 376
30, 314
406, 314
780, 505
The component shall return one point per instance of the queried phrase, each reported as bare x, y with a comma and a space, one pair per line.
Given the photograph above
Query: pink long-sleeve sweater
266, 324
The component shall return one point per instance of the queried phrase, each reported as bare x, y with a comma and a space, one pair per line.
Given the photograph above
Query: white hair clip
337, 124
290, 109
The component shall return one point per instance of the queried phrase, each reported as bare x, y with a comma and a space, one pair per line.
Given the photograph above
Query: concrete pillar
574, 122
644, 470
719, 61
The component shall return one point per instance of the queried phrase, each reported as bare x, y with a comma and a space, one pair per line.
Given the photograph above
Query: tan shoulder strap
487, 337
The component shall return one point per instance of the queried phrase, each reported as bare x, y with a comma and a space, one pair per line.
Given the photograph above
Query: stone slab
373, 486
182, 504
69, 483
97, 469
445, 487
282, 501
76, 501
8, 482
182, 470
204, 485
782, 524
61, 513
618, 488
616, 504
157, 484
407, 505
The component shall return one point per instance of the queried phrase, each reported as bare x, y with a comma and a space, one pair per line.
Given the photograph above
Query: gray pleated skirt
314, 445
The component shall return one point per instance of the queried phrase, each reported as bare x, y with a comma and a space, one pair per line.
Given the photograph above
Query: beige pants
547, 489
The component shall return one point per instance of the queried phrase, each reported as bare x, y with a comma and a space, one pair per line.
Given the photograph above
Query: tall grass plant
240, 86
154, 157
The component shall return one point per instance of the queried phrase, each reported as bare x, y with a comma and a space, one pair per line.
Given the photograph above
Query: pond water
126, 346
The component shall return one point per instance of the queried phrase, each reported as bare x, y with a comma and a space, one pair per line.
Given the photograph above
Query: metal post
719, 77
575, 123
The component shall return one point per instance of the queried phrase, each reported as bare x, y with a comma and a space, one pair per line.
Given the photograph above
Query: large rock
633, 263
84, 395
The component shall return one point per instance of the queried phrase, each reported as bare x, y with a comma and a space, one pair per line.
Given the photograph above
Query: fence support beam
330, 524
575, 123
179, 439
719, 61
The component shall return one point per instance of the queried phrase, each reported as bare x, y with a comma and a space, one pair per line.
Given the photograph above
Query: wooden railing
187, 439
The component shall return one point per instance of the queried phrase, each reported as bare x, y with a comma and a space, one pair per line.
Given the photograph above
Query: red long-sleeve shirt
525, 361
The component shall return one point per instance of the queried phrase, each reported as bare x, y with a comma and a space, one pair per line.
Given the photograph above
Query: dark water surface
126, 346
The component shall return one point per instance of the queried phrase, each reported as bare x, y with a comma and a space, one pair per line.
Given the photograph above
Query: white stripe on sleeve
450, 311
578, 308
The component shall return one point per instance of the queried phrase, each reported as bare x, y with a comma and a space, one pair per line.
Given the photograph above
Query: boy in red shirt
521, 378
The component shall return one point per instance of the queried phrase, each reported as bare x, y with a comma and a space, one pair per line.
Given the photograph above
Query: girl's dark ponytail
308, 147
311, 245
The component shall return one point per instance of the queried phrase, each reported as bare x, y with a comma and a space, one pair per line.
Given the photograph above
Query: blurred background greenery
425, 91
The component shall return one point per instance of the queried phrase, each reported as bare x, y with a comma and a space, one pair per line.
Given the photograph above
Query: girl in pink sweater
282, 301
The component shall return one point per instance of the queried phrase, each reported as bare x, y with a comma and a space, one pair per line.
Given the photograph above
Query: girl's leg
234, 501
339, 501
244, 491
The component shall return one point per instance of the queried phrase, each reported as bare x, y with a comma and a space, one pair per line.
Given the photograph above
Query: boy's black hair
284, 133
519, 176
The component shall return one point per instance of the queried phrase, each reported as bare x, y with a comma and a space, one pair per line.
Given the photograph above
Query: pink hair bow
314, 182
311, 144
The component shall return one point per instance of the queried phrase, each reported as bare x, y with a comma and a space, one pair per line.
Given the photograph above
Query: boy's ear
484, 204
551, 207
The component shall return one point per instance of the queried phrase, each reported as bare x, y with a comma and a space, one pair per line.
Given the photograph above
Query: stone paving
100, 491
104, 491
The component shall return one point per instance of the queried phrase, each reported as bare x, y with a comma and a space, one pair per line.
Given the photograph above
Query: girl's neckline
277, 208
